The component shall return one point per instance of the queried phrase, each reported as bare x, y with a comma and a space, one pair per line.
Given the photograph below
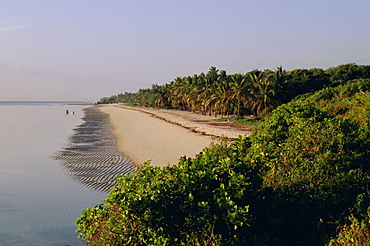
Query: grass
130, 104
251, 122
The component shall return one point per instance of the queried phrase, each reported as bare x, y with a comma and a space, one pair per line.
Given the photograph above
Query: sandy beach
163, 136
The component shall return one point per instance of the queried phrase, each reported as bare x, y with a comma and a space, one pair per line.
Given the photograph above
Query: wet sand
163, 136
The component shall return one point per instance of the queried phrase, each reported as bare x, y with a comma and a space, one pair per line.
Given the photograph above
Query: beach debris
231, 119
66, 111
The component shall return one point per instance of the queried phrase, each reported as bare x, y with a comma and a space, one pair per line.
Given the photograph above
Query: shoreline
163, 136
91, 156
194, 122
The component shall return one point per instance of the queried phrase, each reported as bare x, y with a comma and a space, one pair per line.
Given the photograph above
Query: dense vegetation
302, 178
127, 97
254, 92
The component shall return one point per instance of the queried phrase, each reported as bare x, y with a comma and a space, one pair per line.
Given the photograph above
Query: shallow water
38, 203
91, 158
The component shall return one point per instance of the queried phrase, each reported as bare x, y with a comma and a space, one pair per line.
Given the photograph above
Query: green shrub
314, 162
301, 178
357, 232
199, 201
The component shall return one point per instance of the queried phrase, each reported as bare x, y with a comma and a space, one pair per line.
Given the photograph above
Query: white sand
142, 136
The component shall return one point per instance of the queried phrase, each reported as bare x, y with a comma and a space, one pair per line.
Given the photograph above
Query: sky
88, 49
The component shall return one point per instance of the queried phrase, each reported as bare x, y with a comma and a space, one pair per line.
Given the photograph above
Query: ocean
39, 203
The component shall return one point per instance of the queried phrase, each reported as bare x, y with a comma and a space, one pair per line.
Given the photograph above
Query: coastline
163, 136
91, 156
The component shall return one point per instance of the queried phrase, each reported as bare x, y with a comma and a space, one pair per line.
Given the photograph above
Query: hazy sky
88, 49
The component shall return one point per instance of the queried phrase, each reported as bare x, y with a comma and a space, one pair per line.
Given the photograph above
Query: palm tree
265, 87
161, 97
279, 76
213, 74
255, 76
239, 84
203, 93
180, 89
263, 99
175, 93
222, 104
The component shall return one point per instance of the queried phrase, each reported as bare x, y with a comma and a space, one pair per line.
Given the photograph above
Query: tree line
126, 97
253, 93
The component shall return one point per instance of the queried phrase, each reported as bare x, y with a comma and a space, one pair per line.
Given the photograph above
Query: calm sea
38, 203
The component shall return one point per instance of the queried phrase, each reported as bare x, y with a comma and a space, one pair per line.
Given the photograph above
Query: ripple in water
91, 157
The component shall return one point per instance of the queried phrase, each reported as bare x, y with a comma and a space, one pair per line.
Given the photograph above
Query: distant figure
66, 112
72, 112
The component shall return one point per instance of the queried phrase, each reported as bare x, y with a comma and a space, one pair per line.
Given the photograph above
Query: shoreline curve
91, 157
163, 136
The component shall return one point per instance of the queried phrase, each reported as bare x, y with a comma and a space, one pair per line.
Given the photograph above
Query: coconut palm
239, 91
222, 104
264, 98
180, 89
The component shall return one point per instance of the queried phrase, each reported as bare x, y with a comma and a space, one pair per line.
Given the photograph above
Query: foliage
251, 122
157, 96
199, 201
314, 162
345, 72
302, 81
357, 232
302, 177
126, 97
256, 92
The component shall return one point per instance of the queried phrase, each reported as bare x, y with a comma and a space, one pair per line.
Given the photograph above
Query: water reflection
38, 203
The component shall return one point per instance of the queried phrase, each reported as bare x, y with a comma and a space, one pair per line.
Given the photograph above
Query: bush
199, 201
357, 232
301, 178
314, 161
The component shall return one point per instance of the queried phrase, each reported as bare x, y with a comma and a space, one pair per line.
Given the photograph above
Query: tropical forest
301, 178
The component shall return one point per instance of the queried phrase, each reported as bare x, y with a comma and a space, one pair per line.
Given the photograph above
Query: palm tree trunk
238, 108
